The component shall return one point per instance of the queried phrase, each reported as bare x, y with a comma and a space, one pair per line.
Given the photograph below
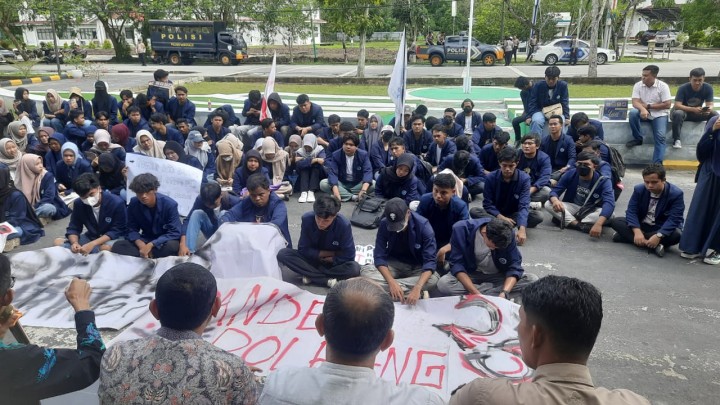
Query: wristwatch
647, 107
659, 235
507, 294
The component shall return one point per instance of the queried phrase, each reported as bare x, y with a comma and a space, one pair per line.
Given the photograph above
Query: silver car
7, 55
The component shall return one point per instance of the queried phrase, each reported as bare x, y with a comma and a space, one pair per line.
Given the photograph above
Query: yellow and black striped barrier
32, 80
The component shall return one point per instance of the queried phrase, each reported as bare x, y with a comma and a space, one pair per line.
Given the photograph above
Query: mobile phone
705, 108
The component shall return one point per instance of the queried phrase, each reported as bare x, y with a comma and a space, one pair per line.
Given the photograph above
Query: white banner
177, 180
441, 343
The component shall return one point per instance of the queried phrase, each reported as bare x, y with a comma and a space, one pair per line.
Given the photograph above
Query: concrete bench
617, 133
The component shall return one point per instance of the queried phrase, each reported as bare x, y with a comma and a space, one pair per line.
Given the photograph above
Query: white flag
396, 88
269, 89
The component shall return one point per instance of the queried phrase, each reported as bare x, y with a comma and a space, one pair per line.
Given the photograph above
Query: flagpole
467, 80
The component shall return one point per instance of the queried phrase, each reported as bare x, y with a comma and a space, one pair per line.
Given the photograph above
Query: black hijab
252, 153
179, 151
390, 175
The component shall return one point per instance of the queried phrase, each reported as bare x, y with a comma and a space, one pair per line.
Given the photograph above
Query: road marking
250, 70
291, 70
516, 70
346, 74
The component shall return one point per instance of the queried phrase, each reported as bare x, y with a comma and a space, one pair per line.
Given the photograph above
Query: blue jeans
55, 124
538, 123
198, 222
659, 126
45, 210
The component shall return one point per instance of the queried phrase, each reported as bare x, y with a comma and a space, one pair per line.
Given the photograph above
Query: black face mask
584, 171
447, 120
467, 109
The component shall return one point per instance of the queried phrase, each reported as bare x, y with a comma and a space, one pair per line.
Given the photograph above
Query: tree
8, 18
620, 18
595, 21
699, 15
413, 17
289, 18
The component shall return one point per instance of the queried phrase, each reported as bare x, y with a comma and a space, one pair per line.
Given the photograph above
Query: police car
558, 50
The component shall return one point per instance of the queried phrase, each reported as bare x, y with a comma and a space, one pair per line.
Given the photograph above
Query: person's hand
396, 292
566, 122
596, 230
698, 110
474, 291
61, 187
87, 248
528, 120
503, 295
653, 242
506, 219
320, 161
152, 101
183, 251
442, 252
361, 194
558, 206
304, 131
640, 241
78, 294
8, 322
95, 161
644, 114
254, 369
413, 296
146, 250
327, 260
564, 169
521, 236
124, 172
76, 248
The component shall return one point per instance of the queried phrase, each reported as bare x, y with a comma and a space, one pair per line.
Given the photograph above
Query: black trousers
680, 116
310, 178
508, 58
516, 125
625, 233
533, 220
317, 272
127, 248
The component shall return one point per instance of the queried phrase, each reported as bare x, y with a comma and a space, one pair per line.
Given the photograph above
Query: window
87, 33
45, 34
129, 33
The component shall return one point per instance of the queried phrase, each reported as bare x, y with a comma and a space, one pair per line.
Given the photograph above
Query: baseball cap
387, 128
195, 136
408, 109
395, 211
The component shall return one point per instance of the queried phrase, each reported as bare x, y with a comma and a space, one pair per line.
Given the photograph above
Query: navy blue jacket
281, 116
314, 118
539, 97
334, 145
227, 201
538, 168
171, 134
456, 130
488, 158
239, 177
113, 113
305, 163
113, 218
481, 137
16, 208
277, 136
421, 243
379, 157
337, 237
476, 120
143, 124
336, 168
448, 149
668, 212
63, 117
387, 189
462, 253
275, 212
215, 137
31, 112
158, 225
49, 195
507, 198
474, 172
175, 110
564, 153
605, 169
603, 195
251, 119
442, 220
75, 134
417, 146
65, 174
598, 126
146, 111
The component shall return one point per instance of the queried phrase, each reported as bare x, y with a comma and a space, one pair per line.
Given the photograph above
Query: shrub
696, 38
107, 44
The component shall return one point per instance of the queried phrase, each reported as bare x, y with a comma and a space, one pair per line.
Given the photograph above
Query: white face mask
227, 158
91, 201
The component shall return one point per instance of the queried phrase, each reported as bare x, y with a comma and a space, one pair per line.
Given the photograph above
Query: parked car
455, 49
8, 55
666, 36
558, 50
647, 36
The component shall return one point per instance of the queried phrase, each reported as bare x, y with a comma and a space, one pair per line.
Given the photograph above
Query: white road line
346, 74
250, 70
516, 70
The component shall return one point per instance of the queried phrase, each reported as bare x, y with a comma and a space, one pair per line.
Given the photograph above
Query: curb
691, 165
33, 80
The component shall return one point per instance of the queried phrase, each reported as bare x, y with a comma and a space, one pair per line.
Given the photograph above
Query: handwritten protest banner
177, 180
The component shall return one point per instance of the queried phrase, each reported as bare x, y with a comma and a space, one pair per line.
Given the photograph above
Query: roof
670, 14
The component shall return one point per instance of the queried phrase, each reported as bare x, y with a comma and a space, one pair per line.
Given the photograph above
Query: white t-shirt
96, 212
349, 167
657, 93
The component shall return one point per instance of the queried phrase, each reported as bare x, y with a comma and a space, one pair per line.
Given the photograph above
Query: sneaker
331, 282
354, 198
584, 227
677, 144
535, 205
310, 196
660, 250
11, 244
45, 220
633, 143
712, 259
306, 280
425, 295
686, 255
618, 239
303, 197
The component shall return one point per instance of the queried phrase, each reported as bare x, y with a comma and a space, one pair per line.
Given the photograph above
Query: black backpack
368, 212
617, 163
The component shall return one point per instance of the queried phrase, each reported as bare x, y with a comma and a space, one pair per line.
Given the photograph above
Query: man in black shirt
689, 103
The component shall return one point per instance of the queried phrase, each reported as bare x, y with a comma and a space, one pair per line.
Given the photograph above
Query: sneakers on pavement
713, 259
303, 197
331, 282
11, 244
310, 196
686, 255
633, 143
677, 144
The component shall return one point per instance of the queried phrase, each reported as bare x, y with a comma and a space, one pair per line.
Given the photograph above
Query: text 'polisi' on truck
177, 42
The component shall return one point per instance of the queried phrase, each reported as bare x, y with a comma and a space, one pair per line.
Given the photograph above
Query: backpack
617, 163
368, 212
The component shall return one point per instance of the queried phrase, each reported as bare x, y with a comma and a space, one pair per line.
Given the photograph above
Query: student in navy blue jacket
268, 128
251, 111
135, 122
536, 163
580, 190
148, 106
440, 148
196, 146
72, 165
469, 169
326, 250
332, 131
306, 116
180, 107
251, 164
488, 155
499, 273
16, 210
469, 119
76, 101
204, 216
442, 208
507, 195
279, 112
452, 128
581, 119
100, 212
154, 227
380, 153
355, 184
75, 130
26, 107
175, 152
588, 134
39, 188
261, 206
217, 131
399, 180
545, 93
104, 102
559, 148
654, 216
417, 138
524, 85
163, 133
485, 133
404, 255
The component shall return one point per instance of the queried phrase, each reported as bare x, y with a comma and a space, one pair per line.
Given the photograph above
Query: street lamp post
467, 80
57, 51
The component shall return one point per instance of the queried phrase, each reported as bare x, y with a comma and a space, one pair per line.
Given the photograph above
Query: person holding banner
204, 216
154, 227
326, 250
356, 322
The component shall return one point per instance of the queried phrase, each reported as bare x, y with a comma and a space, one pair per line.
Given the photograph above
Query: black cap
395, 211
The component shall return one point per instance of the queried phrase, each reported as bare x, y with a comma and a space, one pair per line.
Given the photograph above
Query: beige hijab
29, 177
228, 146
279, 161
58, 101
14, 129
156, 147
11, 162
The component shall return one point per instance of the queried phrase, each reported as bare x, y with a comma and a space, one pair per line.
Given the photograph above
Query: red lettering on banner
254, 295
391, 357
289, 299
309, 314
317, 358
224, 303
284, 352
273, 339
231, 338
429, 370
